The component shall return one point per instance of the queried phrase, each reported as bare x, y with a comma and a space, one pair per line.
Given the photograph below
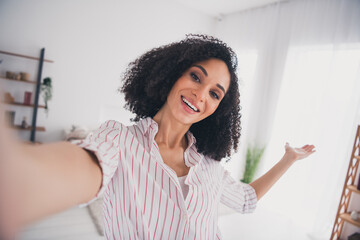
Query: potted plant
46, 90
253, 156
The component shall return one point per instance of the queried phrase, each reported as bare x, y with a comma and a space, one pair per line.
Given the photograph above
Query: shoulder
111, 124
210, 165
108, 130
121, 134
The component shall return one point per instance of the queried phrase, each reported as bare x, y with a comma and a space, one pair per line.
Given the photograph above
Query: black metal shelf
36, 105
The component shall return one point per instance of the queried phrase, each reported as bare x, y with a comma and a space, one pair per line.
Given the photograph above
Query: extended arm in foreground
37, 181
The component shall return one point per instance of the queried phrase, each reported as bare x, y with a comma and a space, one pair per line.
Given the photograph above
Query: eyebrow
221, 87
206, 74
202, 69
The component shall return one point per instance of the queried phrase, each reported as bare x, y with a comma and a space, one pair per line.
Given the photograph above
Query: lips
189, 104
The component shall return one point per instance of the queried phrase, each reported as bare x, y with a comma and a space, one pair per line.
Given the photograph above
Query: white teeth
189, 104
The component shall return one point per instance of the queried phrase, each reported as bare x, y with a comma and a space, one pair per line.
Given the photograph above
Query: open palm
299, 153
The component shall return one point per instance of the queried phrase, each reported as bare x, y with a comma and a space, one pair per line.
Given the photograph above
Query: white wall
91, 43
313, 186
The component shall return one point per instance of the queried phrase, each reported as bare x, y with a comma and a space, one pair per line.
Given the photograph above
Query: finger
308, 147
305, 146
311, 148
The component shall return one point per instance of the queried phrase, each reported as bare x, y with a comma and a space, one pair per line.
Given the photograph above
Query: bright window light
317, 105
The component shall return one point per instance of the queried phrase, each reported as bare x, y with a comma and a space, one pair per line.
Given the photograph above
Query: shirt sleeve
237, 195
104, 143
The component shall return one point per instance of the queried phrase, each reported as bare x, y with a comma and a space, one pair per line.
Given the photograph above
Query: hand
298, 153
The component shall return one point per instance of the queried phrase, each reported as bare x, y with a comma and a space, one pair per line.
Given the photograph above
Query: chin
187, 120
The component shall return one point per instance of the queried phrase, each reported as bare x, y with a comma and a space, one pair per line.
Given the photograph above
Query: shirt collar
149, 128
192, 156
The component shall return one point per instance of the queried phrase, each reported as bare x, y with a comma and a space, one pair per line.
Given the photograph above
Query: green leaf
253, 157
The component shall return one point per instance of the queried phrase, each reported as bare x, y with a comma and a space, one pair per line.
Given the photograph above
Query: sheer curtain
306, 89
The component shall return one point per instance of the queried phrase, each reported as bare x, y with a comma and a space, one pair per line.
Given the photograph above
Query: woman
160, 178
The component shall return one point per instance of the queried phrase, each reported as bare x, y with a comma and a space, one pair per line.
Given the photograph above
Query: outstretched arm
36, 181
265, 182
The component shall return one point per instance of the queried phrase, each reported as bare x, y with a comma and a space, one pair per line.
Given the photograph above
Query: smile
192, 107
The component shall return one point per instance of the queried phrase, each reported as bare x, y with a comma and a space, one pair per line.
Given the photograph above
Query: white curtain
305, 89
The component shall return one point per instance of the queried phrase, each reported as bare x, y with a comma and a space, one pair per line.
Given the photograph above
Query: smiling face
199, 91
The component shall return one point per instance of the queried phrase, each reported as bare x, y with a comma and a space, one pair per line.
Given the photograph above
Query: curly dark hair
149, 79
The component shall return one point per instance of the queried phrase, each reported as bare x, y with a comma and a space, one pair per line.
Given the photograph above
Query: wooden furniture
343, 214
33, 128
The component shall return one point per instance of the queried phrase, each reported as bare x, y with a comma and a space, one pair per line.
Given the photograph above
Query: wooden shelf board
353, 188
24, 81
22, 104
346, 217
18, 127
24, 56
32, 143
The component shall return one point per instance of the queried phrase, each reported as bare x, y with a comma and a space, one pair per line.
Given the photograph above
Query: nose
200, 93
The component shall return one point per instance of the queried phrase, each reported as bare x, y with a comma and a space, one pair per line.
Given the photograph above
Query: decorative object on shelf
27, 98
33, 128
8, 98
76, 132
25, 76
10, 117
358, 186
17, 76
24, 123
354, 215
46, 89
10, 75
253, 156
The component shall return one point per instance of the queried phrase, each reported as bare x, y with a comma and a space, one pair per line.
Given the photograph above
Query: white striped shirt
142, 195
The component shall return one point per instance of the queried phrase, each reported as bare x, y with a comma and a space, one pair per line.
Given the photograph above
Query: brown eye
195, 77
214, 95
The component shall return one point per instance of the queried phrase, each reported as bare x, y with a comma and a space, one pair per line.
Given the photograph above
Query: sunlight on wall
317, 105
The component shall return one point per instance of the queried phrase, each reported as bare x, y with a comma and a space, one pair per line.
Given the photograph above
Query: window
318, 103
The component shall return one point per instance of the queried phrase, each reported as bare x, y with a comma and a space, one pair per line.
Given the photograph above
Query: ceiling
218, 8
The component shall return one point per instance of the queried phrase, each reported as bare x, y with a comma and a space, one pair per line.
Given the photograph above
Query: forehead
217, 71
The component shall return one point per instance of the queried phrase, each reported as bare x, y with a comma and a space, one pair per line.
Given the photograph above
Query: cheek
211, 108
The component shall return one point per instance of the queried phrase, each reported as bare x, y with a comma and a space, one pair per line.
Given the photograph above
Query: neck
171, 133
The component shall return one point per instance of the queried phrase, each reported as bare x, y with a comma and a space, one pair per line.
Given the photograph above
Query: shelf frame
23, 81
23, 105
37, 93
346, 217
349, 188
25, 56
36, 105
38, 128
353, 188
